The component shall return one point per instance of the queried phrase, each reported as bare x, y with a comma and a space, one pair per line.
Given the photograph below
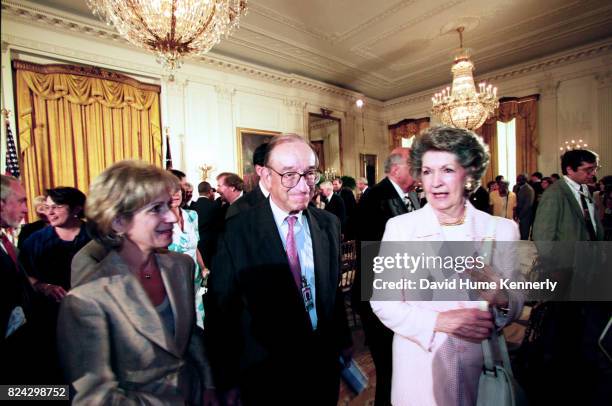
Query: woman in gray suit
128, 335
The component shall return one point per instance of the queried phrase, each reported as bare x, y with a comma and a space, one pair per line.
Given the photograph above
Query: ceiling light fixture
171, 29
462, 106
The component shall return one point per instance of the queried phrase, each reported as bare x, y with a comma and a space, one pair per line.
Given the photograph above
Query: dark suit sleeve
223, 319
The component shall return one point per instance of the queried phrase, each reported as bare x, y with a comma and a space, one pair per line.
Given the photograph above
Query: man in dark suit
18, 347
525, 202
333, 202
570, 356
274, 316
350, 204
209, 230
259, 194
480, 199
390, 197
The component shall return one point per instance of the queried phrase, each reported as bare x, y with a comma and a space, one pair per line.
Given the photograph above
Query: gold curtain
75, 121
406, 129
488, 132
525, 111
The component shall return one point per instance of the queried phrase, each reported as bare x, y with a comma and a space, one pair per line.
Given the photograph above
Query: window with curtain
524, 110
405, 130
506, 150
75, 121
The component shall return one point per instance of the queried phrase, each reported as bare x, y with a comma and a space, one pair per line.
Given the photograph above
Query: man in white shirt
18, 347
393, 196
229, 187
569, 354
275, 316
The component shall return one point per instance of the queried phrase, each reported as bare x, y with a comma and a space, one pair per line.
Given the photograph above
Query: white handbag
497, 386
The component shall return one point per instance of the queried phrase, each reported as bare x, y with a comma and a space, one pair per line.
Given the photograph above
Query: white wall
575, 90
206, 103
212, 97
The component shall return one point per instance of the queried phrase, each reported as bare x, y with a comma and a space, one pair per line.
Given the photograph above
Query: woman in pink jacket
437, 356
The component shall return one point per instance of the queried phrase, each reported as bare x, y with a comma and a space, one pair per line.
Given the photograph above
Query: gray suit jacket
114, 347
559, 217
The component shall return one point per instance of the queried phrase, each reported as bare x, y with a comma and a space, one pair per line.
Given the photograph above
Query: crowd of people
135, 294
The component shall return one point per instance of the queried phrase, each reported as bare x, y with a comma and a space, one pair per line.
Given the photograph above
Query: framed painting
368, 168
247, 140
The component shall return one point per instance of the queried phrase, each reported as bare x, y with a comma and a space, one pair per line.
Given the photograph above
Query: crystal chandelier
171, 29
462, 106
573, 144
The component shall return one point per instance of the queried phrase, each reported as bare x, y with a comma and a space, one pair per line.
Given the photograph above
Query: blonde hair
120, 191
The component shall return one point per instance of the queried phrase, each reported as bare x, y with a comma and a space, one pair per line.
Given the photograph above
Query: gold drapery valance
75, 121
406, 129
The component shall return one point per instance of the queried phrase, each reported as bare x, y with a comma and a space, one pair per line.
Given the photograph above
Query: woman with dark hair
46, 256
47, 253
437, 353
546, 182
185, 238
503, 201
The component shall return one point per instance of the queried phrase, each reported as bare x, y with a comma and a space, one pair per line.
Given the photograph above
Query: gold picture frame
247, 139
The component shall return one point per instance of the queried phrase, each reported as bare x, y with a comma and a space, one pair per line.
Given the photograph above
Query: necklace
147, 271
457, 222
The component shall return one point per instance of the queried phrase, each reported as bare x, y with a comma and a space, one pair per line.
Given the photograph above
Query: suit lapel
574, 206
178, 292
129, 295
269, 238
395, 204
321, 260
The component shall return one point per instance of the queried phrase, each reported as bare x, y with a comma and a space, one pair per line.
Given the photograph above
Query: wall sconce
205, 170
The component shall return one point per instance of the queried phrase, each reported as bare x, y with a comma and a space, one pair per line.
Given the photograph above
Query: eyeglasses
290, 179
590, 170
49, 207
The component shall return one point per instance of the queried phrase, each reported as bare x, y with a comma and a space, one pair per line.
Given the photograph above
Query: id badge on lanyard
307, 295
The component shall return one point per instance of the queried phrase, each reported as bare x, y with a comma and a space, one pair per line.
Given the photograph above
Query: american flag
168, 153
12, 161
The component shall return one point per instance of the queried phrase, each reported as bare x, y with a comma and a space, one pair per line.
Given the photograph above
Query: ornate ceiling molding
362, 49
541, 65
21, 12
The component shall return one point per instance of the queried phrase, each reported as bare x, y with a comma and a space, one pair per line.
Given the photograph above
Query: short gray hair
5, 186
326, 185
392, 160
471, 151
363, 180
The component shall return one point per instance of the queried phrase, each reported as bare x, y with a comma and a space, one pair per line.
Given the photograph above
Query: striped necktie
408, 202
292, 253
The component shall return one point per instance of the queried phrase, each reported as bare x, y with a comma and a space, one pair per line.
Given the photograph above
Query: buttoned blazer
416, 347
256, 321
114, 347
